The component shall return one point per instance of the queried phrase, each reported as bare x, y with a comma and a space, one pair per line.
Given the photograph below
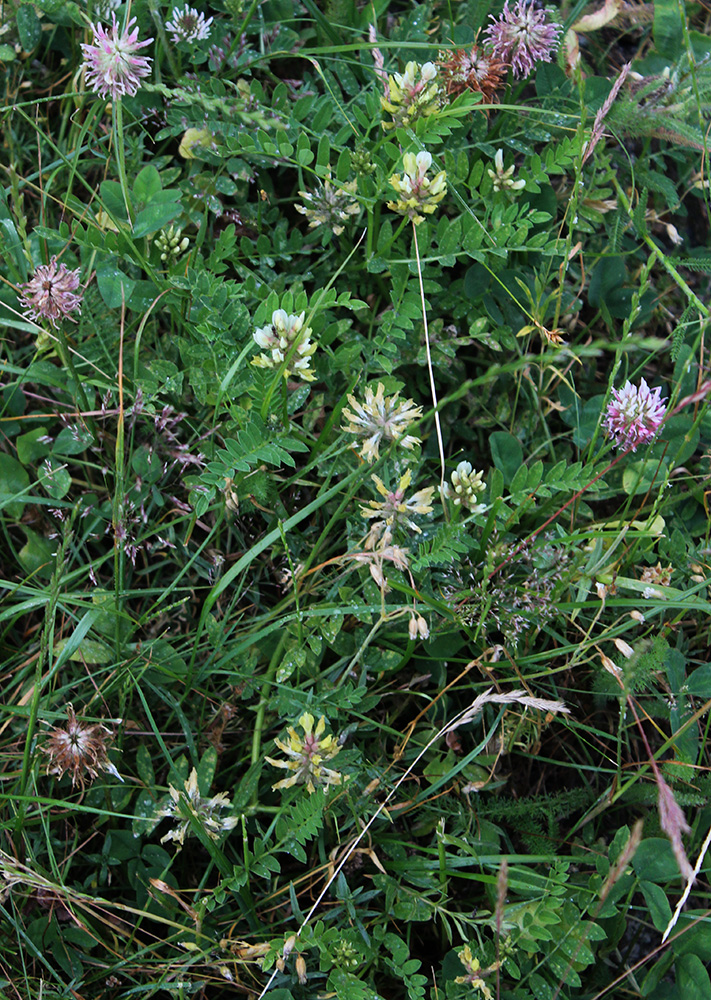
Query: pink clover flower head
523, 36
51, 293
634, 415
112, 67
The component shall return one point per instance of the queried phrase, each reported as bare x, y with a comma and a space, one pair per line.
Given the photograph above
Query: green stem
43, 655
121, 158
263, 702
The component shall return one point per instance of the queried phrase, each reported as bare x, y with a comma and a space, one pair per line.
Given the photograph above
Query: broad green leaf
692, 978
506, 453
115, 287
654, 861
28, 26
14, 481
89, 651
146, 184
155, 217
37, 554
30, 448
668, 28
54, 478
657, 903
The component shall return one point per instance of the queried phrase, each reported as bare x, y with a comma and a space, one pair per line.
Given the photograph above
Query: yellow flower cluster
307, 754
413, 94
417, 192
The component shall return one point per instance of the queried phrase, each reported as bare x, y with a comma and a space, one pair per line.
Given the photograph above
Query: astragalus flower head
188, 25
523, 36
171, 244
395, 511
634, 415
471, 69
307, 754
381, 419
503, 179
51, 293
329, 205
287, 340
112, 67
80, 749
465, 488
413, 94
417, 192
189, 806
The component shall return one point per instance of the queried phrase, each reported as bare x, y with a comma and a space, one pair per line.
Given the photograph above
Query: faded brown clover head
79, 749
52, 293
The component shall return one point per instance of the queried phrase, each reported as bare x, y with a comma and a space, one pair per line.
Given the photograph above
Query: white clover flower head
306, 756
187, 803
634, 415
110, 62
381, 419
287, 341
188, 25
465, 488
503, 179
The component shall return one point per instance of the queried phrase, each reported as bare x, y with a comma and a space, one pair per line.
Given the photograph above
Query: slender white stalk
687, 889
433, 390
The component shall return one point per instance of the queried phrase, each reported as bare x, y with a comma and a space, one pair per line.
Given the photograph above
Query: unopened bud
638, 616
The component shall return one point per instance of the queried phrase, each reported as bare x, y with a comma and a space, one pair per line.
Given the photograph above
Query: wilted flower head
381, 418
288, 341
307, 754
51, 293
190, 805
471, 69
79, 749
523, 36
418, 192
188, 25
328, 205
395, 510
634, 415
466, 485
417, 627
413, 94
503, 179
112, 67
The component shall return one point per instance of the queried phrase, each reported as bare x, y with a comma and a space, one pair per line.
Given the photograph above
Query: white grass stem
433, 390
687, 889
